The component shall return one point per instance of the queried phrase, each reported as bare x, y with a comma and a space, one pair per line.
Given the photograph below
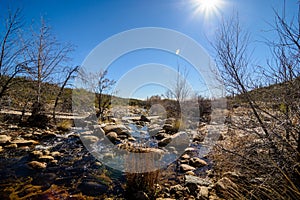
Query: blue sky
87, 23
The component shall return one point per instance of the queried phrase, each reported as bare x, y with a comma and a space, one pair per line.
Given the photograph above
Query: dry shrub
263, 167
64, 125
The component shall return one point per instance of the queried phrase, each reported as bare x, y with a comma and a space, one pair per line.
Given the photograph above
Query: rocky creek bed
50, 164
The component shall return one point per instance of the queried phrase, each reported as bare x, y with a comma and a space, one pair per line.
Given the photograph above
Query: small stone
46, 152
98, 164
89, 139
46, 158
185, 168
54, 161
190, 173
185, 156
55, 154
28, 135
4, 139
175, 188
22, 142
115, 128
37, 165
131, 139
112, 136
204, 192
1, 149
12, 146
13, 127
189, 149
197, 162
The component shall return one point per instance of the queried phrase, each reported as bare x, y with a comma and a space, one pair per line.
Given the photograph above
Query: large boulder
119, 129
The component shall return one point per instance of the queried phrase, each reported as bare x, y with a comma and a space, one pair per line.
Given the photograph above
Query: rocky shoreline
40, 163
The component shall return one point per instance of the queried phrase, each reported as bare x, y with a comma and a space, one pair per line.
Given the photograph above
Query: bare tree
47, 57
69, 74
180, 90
101, 85
11, 63
263, 145
285, 70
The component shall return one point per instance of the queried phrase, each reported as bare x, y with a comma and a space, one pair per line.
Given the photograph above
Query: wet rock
154, 131
180, 139
169, 128
36, 153
189, 179
144, 119
92, 188
1, 149
37, 165
4, 139
185, 168
164, 142
197, 162
199, 137
160, 136
108, 156
113, 137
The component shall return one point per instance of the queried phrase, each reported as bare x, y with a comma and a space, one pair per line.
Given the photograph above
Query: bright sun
207, 7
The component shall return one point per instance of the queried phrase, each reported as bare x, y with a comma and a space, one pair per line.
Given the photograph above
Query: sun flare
207, 7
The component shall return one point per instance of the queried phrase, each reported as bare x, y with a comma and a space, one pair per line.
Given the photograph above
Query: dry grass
64, 125
267, 167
